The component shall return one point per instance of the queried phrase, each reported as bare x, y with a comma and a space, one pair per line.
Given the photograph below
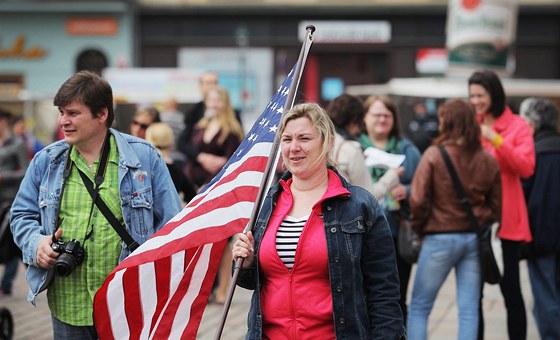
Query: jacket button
333, 230
341, 320
336, 259
338, 289
329, 208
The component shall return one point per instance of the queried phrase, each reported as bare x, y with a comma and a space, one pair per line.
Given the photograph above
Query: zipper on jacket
294, 325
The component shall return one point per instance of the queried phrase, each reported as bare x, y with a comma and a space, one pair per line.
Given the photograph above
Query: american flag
160, 291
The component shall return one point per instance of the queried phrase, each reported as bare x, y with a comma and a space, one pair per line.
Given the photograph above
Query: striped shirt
287, 238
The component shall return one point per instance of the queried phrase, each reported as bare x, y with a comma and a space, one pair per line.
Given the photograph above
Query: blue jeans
440, 253
544, 273
64, 331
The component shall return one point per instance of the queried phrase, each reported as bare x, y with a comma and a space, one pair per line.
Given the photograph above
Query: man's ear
103, 114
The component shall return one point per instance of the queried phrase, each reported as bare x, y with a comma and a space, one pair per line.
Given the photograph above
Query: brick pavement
34, 323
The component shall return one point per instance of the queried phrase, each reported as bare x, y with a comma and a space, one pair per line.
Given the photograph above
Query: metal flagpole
269, 172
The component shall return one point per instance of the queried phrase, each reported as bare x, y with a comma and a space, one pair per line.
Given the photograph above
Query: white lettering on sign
346, 32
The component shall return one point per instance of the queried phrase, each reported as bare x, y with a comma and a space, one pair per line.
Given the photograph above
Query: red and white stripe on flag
161, 290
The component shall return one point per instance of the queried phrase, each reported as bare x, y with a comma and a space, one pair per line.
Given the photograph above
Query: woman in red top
320, 258
507, 137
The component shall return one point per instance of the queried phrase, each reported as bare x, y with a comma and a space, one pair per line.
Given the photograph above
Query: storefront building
44, 43
357, 42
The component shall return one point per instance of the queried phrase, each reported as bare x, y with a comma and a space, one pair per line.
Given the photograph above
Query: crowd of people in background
14, 158
509, 165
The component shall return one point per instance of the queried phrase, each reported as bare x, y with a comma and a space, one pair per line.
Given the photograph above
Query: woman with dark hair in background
449, 241
509, 138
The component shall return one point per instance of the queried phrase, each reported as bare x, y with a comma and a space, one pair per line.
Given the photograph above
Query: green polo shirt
71, 298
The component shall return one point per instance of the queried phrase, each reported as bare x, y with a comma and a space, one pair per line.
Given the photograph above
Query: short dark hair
150, 111
491, 83
346, 109
90, 89
5, 114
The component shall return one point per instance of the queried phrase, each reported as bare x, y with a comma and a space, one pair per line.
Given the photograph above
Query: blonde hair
226, 117
160, 135
320, 121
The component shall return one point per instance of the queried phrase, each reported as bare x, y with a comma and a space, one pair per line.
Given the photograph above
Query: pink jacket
516, 157
297, 304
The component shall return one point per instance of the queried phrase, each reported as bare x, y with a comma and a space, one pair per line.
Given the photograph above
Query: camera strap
94, 193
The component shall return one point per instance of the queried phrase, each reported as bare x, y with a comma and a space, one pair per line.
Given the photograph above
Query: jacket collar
504, 120
337, 186
547, 141
127, 156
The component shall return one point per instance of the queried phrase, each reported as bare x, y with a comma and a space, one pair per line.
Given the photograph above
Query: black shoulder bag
489, 245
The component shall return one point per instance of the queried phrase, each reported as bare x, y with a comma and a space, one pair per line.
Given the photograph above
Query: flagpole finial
310, 28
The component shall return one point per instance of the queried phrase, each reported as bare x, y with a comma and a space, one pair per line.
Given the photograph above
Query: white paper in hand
380, 159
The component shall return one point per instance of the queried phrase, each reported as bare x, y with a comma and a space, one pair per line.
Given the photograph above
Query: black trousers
511, 291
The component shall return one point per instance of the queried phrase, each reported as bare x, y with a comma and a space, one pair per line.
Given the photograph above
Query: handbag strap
463, 199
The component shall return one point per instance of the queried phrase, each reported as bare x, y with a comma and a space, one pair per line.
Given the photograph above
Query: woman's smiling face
379, 120
301, 148
479, 98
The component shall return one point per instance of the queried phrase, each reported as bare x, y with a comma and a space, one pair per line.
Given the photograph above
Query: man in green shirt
55, 205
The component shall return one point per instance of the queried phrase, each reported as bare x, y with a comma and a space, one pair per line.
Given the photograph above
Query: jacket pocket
48, 205
353, 233
141, 214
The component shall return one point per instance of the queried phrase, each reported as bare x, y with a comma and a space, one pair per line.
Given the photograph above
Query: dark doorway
326, 74
92, 60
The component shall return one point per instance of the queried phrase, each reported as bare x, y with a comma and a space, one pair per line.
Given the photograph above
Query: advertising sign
481, 34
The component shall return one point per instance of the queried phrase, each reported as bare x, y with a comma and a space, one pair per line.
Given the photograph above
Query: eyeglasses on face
142, 126
381, 115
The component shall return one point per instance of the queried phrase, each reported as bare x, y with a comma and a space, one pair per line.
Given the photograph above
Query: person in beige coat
347, 113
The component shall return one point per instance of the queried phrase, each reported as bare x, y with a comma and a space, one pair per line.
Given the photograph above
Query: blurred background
152, 50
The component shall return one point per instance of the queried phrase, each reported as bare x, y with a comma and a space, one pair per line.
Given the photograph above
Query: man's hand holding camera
46, 256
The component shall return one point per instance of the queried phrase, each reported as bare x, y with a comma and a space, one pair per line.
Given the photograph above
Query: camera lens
65, 264
72, 255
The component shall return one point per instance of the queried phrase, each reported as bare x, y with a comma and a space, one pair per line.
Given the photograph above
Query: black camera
72, 254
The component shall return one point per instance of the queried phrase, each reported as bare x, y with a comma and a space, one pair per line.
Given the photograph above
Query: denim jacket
362, 267
147, 195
